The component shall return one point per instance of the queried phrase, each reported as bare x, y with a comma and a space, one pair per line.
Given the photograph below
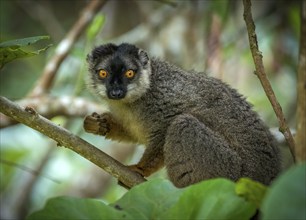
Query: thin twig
260, 72
63, 137
26, 189
27, 169
62, 50
301, 92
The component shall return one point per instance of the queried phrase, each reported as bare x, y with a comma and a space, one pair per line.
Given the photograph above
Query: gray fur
195, 125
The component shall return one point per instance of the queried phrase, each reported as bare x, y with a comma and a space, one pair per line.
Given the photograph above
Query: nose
116, 94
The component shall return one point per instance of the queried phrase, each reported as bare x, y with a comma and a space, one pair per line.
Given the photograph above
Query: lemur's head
119, 72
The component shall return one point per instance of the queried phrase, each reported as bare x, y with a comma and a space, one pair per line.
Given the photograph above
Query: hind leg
193, 152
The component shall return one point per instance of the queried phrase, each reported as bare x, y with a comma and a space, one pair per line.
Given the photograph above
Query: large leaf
286, 199
76, 208
211, 199
148, 200
11, 50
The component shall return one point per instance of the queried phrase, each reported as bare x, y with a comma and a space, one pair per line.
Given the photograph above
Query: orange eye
103, 74
129, 74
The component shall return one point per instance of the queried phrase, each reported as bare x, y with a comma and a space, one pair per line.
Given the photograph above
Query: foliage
211, 199
157, 199
287, 197
13, 49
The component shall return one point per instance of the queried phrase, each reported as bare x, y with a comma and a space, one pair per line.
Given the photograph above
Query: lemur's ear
143, 57
101, 51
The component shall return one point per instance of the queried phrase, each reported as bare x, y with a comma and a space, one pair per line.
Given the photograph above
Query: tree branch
260, 72
50, 106
62, 50
63, 137
301, 92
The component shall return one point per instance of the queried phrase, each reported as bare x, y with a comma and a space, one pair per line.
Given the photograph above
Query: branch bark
261, 74
50, 106
63, 137
62, 50
301, 92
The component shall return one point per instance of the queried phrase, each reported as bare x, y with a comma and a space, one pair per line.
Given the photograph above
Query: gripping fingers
97, 124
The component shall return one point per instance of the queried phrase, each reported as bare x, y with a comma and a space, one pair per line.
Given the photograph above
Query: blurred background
205, 35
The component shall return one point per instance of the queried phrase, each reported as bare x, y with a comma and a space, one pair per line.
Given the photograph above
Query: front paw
97, 124
136, 168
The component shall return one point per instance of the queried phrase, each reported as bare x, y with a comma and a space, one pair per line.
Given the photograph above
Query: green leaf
252, 191
77, 208
11, 50
9, 54
148, 200
211, 199
286, 199
95, 26
22, 42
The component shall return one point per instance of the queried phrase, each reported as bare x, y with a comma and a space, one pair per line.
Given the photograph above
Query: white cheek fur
94, 88
137, 89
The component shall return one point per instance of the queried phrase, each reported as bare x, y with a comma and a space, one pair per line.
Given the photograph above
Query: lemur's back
223, 110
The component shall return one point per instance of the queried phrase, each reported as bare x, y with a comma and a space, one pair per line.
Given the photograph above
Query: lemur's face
119, 72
